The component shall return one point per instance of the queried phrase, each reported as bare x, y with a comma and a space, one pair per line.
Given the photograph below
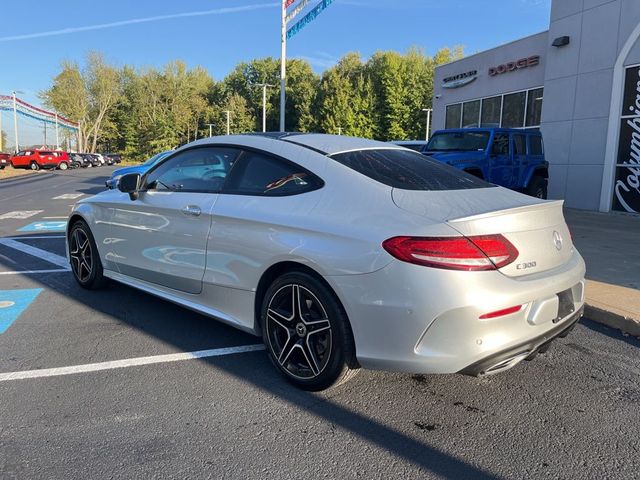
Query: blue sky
220, 41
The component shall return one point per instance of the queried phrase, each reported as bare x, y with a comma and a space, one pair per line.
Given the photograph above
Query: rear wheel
306, 332
63, 166
34, 166
85, 261
537, 187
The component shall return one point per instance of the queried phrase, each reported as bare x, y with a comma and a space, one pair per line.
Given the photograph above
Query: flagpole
283, 65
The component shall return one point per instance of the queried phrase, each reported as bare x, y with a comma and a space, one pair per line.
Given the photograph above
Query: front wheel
537, 187
307, 333
85, 260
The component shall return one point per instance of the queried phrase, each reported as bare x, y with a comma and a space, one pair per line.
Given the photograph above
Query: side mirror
130, 184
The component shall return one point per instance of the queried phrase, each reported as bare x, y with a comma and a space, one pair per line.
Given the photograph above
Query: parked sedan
4, 160
141, 169
340, 252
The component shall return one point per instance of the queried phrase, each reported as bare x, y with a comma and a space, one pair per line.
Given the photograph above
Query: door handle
192, 210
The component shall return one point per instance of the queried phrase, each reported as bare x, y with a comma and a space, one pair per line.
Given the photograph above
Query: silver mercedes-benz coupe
341, 252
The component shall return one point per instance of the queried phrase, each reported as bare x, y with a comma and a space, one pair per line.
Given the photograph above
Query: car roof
319, 142
409, 142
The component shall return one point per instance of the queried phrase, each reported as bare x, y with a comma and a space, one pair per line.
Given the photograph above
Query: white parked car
341, 252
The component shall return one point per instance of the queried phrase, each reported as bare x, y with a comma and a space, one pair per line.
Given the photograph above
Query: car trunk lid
535, 227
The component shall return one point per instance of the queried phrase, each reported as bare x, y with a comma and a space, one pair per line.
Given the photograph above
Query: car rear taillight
482, 252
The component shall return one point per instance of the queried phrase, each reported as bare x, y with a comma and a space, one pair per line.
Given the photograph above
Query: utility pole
283, 64
57, 136
15, 121
228, 121
45, 134
264, 102
428, 110
0, 131
210, 125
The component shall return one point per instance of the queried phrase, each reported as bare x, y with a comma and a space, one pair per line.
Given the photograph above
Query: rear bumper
415, 319
506, 359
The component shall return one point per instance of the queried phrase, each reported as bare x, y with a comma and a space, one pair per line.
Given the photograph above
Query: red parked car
37, 159
4, 160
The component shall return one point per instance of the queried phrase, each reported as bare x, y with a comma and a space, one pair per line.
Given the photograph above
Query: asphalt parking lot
64, 413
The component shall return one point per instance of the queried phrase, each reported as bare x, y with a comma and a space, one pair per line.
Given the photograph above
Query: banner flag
297, 10
309, 17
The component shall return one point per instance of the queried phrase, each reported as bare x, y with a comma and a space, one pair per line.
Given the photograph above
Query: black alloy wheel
306, 332
85, 262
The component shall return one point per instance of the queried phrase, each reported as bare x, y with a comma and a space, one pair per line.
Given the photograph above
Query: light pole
210, 131
57, 136
428, 110
339, 130
283, 64
228, 121
264, 102
15, 118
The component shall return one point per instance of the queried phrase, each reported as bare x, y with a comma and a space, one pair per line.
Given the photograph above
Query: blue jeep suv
511, 158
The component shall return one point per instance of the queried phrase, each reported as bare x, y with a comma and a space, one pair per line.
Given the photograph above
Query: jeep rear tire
537, 187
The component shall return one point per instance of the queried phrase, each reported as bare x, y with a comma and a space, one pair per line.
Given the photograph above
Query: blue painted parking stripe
58, 226
13, 303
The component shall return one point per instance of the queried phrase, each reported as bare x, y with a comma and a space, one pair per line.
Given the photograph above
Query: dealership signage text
460, 79
513, 66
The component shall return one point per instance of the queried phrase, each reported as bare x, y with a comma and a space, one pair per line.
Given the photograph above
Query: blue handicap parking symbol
58, 226
13, 303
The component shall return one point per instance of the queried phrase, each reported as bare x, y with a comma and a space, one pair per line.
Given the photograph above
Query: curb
625, 324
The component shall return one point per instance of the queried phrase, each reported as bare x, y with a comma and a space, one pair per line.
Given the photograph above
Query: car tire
306, 332
34, 166
63, 166
85, 260
537, 187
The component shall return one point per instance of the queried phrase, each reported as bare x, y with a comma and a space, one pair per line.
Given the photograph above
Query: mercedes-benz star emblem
557, 240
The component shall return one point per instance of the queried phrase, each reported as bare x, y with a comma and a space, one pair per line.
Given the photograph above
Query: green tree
85, 96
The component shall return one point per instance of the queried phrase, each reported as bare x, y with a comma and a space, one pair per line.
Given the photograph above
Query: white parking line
20, 272
20, 214
56, 218
34, 237
36, 252
131, 362
68, 196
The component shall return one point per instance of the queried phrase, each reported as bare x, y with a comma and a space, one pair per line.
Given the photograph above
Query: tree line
138, 112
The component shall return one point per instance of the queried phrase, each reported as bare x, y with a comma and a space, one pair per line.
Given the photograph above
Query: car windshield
408, 170
458, 141
155, 159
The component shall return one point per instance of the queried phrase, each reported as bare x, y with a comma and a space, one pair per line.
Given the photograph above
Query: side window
500, 144
535, 145
196, 170
261, 174
519, 145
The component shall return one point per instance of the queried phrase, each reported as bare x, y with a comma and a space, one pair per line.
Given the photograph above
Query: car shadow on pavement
189, 331
611, 332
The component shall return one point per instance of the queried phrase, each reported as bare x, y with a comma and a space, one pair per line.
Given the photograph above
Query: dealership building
579, 83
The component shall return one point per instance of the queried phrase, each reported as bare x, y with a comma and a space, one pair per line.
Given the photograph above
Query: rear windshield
44, 152
408, 170
458, 141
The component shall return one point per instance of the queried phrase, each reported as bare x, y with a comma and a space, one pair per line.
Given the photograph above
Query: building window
471, 114
534, 107
454, 112
491, 108
513, 110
